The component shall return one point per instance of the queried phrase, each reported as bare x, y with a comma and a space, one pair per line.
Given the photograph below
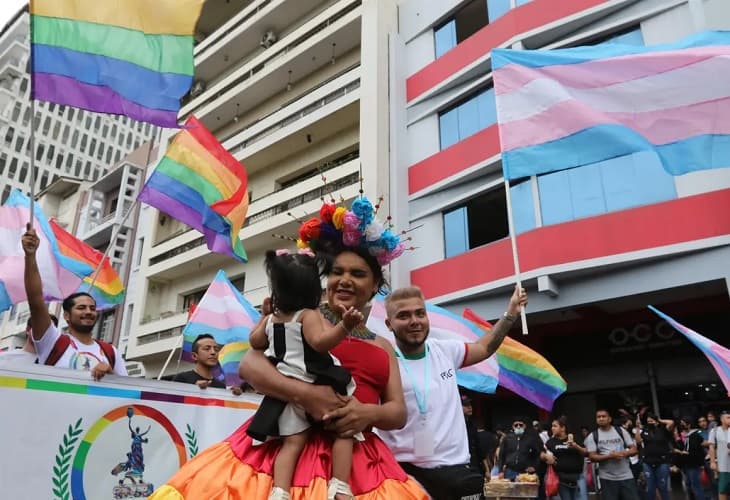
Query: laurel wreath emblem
63, 461
192, 439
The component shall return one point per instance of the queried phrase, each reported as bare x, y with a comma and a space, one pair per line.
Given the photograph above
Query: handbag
552, 482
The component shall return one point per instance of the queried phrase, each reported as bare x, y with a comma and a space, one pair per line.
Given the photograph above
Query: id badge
423, 445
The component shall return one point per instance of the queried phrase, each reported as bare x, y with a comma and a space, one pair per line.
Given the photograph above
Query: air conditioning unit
268, 39
197, 88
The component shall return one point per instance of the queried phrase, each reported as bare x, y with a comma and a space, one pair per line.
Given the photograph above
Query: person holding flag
77, 350
437, 455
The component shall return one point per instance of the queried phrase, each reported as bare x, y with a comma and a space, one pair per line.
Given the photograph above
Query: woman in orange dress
235, 469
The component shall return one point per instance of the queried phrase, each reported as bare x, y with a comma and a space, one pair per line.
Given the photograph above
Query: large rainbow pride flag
62, 275
565, 108
717, 355
524, 371
133, 57
224, 313
104, 285
201, 184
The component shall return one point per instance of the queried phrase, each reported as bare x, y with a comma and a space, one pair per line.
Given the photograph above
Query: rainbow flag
62, 275
524, 371
107, 288
131, 57
565, 108
224, 313
481, 377
718, 356
201, 184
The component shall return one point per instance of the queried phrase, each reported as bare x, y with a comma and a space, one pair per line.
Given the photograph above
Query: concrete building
280, 83
69, 142
596, 243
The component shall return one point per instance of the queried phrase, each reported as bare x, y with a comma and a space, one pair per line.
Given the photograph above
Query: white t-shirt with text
444, 415
78, 356
720, 438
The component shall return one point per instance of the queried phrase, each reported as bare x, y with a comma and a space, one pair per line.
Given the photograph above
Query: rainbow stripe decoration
445, 325
62, 274
565, 108
202, 185
107, 288
524, 371
132, 58
717, 355
224, 313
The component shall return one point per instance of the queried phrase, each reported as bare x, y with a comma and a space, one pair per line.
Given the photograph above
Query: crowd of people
347, 414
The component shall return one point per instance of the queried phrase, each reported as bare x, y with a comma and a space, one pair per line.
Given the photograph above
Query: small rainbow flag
224, 313
107, 288
524, 371
61, 274
202, 185
481, 377
132, 58
718, 356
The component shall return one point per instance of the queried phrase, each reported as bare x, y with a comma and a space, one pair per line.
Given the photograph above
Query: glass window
463, 24
497, 8
479, 221
470, 116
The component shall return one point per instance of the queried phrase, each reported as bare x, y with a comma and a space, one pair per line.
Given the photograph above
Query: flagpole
32, 115
169, 356
515, 258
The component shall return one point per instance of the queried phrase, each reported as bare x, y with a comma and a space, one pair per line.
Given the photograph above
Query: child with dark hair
296, 339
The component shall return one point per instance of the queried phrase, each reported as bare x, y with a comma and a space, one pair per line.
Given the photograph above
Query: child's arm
258, 338
321, 335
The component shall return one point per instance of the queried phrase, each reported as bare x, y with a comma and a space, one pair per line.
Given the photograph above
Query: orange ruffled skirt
237, 470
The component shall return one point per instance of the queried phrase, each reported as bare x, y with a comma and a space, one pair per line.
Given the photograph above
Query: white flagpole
169, 356
515, 258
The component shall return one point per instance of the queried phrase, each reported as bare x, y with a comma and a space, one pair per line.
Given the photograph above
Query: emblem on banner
121, 441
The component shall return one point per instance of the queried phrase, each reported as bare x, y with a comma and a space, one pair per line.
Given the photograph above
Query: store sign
642, 336
66, 436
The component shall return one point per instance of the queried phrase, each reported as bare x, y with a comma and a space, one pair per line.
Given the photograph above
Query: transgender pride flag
445, 325
718, 355
565, 108
224, 313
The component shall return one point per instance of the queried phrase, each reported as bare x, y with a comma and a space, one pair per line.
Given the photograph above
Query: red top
369, 366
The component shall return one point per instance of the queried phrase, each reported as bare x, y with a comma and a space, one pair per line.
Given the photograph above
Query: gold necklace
359, 332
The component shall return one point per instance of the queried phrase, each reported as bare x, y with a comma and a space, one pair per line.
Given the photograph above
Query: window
468, 117
139, 251
479, 221
16, 111
631, 36
467, 21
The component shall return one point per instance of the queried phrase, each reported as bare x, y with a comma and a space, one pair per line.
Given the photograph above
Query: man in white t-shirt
720, 454
433, 446
79, 350
25, 355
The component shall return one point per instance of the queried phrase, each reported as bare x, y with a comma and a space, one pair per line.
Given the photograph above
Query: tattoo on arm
497, 335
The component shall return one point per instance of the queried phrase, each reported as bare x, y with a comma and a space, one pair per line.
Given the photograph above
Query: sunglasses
517, 426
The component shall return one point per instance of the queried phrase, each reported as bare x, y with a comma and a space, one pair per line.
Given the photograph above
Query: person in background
476, 454
656, 440
566, 456
611, 446
636, 466
710, 486
205, 352
711, 420
692, 456
25, 355
720, 454
519, 451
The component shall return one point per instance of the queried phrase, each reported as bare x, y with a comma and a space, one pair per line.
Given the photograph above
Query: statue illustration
132, 483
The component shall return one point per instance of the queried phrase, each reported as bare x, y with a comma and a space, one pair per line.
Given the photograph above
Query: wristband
509, 317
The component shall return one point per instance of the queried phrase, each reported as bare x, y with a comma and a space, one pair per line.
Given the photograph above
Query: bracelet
509, 317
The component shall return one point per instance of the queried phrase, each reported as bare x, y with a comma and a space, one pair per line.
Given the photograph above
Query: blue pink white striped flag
224, 313
718, 355
61, 275
482, 377
565, 108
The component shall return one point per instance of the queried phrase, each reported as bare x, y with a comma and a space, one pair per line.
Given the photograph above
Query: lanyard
422, 400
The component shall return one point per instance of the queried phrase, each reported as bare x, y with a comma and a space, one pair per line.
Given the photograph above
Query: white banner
65, 436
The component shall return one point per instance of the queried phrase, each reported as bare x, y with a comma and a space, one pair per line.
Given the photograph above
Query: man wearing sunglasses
519, 451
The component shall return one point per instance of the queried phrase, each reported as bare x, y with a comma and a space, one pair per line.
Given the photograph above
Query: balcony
302, 51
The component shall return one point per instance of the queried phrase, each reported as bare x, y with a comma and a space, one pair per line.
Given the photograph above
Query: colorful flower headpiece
356, 227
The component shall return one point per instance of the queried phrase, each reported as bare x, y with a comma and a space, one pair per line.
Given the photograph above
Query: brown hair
406, 292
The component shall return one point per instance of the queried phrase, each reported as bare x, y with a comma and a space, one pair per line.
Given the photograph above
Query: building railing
234, 23
161, 335
272, 56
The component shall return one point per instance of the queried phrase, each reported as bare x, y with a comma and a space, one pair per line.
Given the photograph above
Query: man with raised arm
433, 447
77, 349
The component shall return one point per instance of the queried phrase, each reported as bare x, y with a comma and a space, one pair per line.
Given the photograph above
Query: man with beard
433, 446
77, 350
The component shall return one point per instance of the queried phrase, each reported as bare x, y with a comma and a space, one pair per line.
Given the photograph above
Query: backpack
619, 430
64, 341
